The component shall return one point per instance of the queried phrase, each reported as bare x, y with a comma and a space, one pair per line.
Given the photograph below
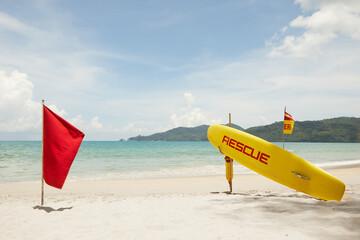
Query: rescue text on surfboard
245, 149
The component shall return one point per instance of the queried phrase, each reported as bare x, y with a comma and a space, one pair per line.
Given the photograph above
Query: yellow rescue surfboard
275, 163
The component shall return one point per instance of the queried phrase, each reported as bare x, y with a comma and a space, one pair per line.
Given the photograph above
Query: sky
118, 69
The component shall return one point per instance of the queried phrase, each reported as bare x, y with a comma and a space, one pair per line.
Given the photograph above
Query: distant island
342, 129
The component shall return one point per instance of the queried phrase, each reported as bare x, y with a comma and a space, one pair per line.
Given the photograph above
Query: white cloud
77, 120
19, 113
189, 116
52, 54
131, 130
18, 110
301, 46
65, 70
189, 99
62, 113
330, 20
308, 5
13, 25
94, 123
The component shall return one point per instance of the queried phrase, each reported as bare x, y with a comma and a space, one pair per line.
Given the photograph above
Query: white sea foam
208, 170
339, 164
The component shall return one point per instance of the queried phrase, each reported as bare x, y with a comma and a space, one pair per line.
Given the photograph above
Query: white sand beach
179, 208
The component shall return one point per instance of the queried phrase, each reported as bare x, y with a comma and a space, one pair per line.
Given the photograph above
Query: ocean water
21, 161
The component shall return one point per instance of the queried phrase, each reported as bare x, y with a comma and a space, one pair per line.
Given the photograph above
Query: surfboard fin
300, 176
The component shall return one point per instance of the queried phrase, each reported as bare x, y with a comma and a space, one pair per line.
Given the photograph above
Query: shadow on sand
298, 208
50, 209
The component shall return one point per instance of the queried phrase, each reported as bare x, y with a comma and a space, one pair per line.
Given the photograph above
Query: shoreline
165, 185
179, 208
239, 170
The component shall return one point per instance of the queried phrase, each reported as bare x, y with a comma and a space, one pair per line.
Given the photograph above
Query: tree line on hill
342, 129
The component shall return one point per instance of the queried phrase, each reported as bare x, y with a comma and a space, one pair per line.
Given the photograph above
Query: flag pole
283, 130
42, 158
229, 164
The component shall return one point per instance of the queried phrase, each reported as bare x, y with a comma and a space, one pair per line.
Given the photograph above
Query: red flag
61, 142
288, 123
288, 117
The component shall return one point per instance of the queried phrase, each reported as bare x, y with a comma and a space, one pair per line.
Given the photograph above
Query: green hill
179, 134
342, 129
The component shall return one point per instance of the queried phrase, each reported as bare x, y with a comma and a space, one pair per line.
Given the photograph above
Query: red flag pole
42, 161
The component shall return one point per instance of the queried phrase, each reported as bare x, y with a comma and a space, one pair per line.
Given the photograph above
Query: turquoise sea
21, 161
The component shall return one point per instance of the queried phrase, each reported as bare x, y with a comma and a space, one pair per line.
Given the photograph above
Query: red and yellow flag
288, 123
61, 142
